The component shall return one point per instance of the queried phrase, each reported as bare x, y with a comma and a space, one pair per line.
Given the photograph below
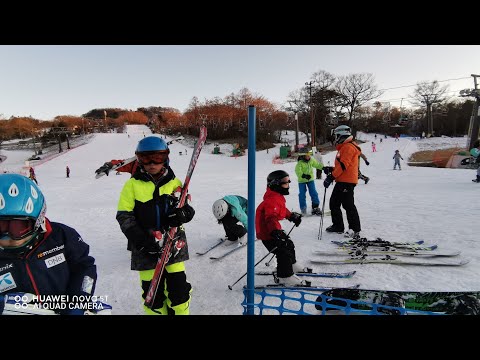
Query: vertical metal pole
251, 209
296, 132
312, 128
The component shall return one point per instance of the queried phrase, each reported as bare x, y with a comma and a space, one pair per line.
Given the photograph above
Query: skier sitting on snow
38, 256
230, 210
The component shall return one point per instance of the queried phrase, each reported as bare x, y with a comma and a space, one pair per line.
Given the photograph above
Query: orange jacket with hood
346, 162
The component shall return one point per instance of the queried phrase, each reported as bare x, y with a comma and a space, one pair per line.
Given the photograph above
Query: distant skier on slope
32, 175
360, 175
475, 152
397, 158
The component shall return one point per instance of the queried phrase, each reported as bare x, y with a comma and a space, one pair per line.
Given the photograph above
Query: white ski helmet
342, 133
220, 209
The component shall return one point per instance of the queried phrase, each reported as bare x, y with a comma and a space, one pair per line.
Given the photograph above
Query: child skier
230, 210
304, 171
397, 158
267, 224
146, 211
38, 256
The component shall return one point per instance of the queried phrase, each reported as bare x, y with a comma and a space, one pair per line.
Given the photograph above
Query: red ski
170, 239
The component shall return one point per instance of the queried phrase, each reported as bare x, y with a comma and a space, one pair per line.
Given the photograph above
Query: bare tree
323, 80
356, 90
434, 91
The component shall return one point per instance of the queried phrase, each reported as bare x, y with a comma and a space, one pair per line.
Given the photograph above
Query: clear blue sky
46, 81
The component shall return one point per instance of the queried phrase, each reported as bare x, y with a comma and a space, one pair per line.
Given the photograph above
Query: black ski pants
233, 230
343, 195
285, 254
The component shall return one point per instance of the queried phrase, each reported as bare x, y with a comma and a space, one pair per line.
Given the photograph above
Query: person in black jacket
146, 211
38, 256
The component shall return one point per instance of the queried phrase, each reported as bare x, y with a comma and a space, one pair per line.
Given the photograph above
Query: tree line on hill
325, 102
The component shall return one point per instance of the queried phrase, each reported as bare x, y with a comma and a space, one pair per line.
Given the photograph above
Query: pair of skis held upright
170, 239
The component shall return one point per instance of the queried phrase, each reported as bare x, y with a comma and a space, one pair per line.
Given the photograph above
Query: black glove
305, 176
296, 218
367, 163
142, 241
279, 235
153, 248
328, 180
181, 215
105, 168
327, 170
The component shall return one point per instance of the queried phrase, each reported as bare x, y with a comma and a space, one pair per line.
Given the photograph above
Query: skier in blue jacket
38, 256
230, 210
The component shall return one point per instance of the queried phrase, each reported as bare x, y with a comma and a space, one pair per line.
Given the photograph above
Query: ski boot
332, 228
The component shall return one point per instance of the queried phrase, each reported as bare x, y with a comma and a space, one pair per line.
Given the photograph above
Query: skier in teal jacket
230, 210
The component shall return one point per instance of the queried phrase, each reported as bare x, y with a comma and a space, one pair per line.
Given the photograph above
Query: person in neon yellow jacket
304, 170
147, 209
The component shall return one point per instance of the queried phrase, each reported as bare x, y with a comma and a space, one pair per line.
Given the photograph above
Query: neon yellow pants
176, 295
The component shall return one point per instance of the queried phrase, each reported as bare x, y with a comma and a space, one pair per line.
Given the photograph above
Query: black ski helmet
274, 180
275, 177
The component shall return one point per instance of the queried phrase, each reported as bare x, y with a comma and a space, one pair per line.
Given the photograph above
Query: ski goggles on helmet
158, 157
16, 229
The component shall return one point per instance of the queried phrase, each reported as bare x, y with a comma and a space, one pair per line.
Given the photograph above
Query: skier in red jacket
268, 214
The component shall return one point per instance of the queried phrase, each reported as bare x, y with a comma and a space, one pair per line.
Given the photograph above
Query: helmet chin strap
43, 226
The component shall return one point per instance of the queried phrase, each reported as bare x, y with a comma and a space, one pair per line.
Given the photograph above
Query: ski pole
320, 231
269, 261
259, 261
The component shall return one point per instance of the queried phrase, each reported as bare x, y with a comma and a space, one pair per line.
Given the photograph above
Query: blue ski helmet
20, 198
152, 144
